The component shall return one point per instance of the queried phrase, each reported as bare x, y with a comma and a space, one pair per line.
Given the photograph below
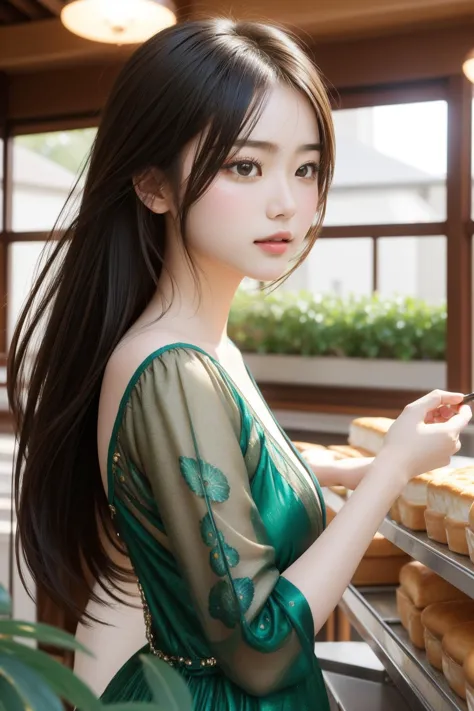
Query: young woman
147, 455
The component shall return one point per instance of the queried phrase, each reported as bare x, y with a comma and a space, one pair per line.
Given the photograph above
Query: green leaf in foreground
9, 699
60, 679
34, 693
167, 687
5, 602
45, 634
135, 706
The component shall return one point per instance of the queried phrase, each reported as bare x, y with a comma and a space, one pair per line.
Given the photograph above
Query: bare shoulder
124, 361
130, 353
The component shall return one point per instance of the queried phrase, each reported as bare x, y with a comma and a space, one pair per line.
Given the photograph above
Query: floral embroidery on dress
205, 479
223, 604
217, 563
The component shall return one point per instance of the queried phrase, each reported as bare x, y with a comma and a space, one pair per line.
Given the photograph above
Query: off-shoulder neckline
189, 346
136, 375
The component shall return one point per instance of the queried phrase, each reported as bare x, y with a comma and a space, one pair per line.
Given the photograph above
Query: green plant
31, 680
301, 323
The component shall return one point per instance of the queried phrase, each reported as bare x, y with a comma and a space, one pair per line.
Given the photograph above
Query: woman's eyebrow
273, 148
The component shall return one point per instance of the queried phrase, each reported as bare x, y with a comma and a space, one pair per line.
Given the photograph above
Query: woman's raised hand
426, 434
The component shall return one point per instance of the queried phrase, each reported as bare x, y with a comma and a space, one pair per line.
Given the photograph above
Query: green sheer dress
212, 508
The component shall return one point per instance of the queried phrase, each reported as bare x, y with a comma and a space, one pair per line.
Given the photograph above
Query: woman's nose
281, 201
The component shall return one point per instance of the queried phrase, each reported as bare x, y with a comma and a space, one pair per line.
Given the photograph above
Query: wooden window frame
458, 229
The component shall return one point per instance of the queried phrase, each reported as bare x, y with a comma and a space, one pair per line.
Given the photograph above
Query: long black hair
205, 77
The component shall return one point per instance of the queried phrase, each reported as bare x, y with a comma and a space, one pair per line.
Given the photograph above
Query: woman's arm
337, 472
324, 571
411, 447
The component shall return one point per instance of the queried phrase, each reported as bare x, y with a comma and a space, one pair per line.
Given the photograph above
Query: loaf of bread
415, 628
303, 446
404, 606
410, 617
420, 587
379, 571
345, 451
457, 643
424, 587
468, 668
413, 499
394, 512
438, 619
470, 533
437, 502
459, 499
368, 433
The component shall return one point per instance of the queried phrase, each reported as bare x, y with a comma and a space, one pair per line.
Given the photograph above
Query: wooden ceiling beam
29, 8
44, 43
36, 45
8, 14
54, 6
347, 18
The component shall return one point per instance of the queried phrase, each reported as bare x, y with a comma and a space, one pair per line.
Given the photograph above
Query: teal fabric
212, 508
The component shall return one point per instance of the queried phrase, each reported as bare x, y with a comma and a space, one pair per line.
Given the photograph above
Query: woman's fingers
458, 421
441, 414
437, 398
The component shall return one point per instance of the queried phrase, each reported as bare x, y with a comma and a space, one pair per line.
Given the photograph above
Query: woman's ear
150, 187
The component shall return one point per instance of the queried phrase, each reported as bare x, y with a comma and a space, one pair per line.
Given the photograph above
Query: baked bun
457, 643
438, 619
303, 446
410, 618
437, 502
369, 433
468, 668
413, 499
426, 587
345, 451
459, 495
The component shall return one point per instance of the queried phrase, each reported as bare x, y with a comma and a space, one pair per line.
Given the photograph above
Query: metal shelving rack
372, 612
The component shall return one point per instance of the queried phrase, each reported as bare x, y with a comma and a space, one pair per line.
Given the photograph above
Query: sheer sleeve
188, 438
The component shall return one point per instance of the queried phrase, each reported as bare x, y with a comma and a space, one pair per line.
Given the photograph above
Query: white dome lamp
117, 21
468, 66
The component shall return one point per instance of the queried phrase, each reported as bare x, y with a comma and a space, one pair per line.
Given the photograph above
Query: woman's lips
275, 244
273, 247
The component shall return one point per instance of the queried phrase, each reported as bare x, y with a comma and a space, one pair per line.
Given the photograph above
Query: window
412, 266
45, 169
23, 263
338, 266
391, 165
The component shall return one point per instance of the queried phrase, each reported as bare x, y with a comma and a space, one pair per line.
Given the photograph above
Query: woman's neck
196, 314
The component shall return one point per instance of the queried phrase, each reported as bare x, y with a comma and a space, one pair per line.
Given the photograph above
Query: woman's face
269, 188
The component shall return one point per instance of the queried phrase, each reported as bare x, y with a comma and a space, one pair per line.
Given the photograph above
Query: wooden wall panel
344, 18
48, 43
60, 92
403, 59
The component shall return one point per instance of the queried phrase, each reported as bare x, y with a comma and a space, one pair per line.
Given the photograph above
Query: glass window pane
336, 266
45, 168
390, 165
24, 258
413, 266
1, 185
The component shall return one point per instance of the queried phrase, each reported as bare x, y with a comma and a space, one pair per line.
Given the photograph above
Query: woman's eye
309, 170
245, 169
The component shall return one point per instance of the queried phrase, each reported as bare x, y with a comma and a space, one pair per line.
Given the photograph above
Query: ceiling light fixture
468, 66
118, 21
